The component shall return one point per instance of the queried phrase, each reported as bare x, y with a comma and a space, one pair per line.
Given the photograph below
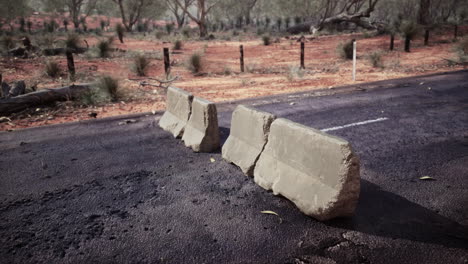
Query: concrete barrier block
202, 131
178, 109
248, 136
316, 171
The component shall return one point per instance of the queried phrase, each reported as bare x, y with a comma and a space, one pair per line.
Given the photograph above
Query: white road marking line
355, 124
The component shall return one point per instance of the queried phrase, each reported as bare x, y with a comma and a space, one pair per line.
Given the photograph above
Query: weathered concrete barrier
316, 171
178, 109
202, 131
249, 134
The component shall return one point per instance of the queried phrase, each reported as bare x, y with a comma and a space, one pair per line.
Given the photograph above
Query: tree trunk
407, 44
203, 29
19, 103
426, 37
424, 12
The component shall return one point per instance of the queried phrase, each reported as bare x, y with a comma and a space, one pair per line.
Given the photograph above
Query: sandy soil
269, 70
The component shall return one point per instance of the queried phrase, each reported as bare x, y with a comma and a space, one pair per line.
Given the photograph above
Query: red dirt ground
268, 70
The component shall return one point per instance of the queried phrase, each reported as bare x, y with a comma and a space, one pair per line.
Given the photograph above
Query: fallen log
43, 97
62, 51
19, 88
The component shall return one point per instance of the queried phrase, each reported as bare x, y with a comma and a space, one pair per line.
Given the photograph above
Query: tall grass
140, 65
52, 69
195, 63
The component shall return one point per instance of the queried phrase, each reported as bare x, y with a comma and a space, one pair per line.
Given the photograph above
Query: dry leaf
427, 178
272, 213
269, 212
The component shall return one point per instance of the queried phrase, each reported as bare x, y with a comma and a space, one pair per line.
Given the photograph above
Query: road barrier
248, 136
316, 171
178, 109
202, 131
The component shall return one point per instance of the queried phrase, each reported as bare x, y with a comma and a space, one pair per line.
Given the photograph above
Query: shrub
52, 69
178, 44
103, 47
295, 72
29, 24
110, 86
46, 40
72, 41
22, 23
462, 50
83, 24
409, 29
120, 32
227, 70
169, 28
195, 64
103, 24
7, 42
266, 40
65, 24
375, 59
159, 34
346, 50
186, 32
140, 65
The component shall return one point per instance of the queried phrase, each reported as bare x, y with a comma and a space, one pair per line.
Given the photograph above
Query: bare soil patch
270, 70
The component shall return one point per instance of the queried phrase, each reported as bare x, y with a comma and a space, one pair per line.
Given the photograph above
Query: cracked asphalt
100, 192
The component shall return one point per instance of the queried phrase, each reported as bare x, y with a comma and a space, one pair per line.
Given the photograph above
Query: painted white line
355, 124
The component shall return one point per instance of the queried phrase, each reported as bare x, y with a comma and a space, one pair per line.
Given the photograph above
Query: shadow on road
382, 213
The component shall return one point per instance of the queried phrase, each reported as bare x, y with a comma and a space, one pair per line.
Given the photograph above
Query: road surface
101, 192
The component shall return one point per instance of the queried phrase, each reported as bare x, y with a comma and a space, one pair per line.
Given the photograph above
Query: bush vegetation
266, 40
195, 64
375, 58
72, 41
345, 50
110, 86
140, 65
119, 28
178, 44
52, 69
104, 47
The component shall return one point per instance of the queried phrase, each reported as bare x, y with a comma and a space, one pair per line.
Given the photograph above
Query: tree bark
19, 103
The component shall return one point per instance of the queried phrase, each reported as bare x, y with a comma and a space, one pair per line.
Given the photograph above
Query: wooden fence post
392, 41
302, 54
70, 64
354, 59
242, 58
167, 62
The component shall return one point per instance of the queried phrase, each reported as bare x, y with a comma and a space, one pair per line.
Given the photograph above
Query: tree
132, 11
11, 9
78, 9
178, 12
354, 11
203, 8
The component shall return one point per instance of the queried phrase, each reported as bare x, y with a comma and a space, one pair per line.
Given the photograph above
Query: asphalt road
100, 192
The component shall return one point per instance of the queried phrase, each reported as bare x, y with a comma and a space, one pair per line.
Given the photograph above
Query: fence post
70, 64
242, 58
167, 62
392, 41
302, 54
354, 59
